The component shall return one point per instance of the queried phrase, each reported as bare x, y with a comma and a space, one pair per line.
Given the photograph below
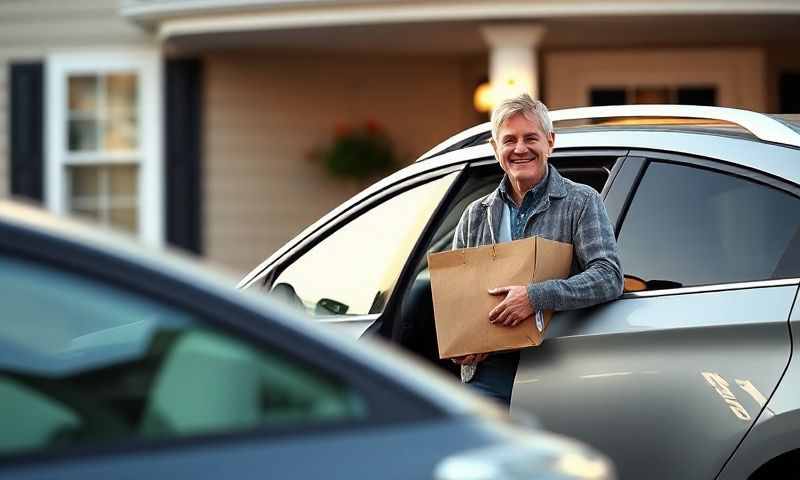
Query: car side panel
681, 375
403, 452
777, 430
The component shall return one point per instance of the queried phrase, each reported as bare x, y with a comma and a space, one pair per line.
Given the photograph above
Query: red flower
373, 127
342, 130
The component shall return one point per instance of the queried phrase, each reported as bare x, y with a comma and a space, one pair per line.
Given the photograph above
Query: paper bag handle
491, 231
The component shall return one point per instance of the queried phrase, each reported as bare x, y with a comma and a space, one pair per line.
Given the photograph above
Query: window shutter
183, 158
26, 131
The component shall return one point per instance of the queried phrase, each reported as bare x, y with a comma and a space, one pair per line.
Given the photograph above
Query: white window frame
149, 158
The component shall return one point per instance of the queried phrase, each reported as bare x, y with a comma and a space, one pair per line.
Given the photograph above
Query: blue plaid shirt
561, 210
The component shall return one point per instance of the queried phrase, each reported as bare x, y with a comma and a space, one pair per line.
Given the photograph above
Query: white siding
265, 114
30, 29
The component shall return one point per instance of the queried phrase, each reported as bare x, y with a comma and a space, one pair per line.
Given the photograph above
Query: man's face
522, 149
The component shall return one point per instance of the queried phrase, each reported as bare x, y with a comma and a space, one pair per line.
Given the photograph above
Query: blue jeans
494, 376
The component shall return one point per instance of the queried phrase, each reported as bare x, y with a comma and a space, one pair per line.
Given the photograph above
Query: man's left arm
595, 248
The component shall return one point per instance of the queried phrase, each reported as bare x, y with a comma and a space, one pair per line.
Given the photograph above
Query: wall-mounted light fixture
487, 95
483, 98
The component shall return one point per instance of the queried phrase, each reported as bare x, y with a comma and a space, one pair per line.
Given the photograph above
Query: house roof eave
173, 18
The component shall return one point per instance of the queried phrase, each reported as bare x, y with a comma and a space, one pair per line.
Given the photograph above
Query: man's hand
513, 309
470, 359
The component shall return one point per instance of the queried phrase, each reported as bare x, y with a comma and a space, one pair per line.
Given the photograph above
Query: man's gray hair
521, 104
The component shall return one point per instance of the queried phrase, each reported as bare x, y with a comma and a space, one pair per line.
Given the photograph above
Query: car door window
691, 226
82, 362
353, 271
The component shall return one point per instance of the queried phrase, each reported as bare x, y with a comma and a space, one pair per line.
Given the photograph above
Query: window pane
85, 363
121, 93
82, 136
124, 219
690, 226
123, 179
85, 181
106, 193
697, 96
353, 271
607, 96
121, 132
83, 94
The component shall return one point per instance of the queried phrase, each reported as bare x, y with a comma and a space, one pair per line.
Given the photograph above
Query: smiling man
534, 199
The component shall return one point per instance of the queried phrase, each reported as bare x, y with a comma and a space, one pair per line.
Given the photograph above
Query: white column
513, 65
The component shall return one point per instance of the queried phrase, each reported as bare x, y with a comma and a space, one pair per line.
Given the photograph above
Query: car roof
766, 128
387, 361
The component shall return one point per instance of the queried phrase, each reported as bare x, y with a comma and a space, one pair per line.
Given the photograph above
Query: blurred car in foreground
692, 373
116, 363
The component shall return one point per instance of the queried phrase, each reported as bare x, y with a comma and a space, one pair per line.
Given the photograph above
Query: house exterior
191, 122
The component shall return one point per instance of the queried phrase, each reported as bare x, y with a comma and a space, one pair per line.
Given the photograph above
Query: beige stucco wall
30, 29
264, 113
738, 73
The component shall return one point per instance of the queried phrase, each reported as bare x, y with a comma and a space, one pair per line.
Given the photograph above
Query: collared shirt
518, 216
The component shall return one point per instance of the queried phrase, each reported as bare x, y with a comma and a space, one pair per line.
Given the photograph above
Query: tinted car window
690, 226
82, 362
353, 271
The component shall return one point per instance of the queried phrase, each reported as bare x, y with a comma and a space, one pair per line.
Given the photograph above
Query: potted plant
358, 152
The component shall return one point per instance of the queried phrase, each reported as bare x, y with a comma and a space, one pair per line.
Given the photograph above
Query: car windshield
92, 329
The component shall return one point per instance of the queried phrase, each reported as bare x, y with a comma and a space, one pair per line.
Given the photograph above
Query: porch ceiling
464, 37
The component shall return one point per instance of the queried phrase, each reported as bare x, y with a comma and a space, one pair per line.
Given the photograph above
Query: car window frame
237, 321
644, 158
477, 161
616, 197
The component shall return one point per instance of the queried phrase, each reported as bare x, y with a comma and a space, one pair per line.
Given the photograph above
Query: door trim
714, 288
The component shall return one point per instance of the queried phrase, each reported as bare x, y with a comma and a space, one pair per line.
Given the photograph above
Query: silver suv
694, 372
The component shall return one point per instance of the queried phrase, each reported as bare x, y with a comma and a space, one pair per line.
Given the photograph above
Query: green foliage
359, 152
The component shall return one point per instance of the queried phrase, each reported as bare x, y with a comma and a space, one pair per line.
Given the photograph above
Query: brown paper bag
461, 280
